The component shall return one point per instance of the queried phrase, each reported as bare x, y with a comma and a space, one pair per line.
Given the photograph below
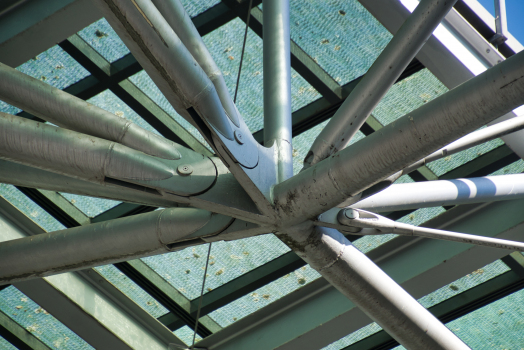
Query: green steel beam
18, 336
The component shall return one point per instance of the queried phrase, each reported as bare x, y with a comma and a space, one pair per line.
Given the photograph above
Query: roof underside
257, 280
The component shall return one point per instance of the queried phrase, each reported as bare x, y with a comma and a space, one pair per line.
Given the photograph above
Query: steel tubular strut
246, 185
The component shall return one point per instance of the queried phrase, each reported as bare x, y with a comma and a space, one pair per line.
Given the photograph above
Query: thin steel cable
201, 297
243, 50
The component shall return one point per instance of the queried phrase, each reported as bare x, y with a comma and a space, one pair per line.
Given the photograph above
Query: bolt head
351, 214
239, 137
185, 169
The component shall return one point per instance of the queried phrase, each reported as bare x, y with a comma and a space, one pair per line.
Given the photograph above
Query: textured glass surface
469, 281
225, 45
38, 321
354, 337
104, 40
499, 325
30, 208
263, 296
408, 95
513, 168
90, 206
196, 7
185, 269
54, 67
132, 290
7, 108
5, 345
340, 35
186, 335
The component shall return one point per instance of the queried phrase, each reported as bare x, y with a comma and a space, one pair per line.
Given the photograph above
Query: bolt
239, 137
488, 50
351, 214
185, 169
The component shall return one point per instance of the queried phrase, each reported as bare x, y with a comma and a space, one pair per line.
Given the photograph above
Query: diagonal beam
94, 309
104, 243
380, 155
18, 335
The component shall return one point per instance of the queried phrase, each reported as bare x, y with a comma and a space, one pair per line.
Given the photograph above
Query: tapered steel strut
384, 72
277, 84
105, 243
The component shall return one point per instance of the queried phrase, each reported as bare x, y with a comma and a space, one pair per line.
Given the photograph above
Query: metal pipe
277, 84
445, 192
89, 158
369, 288
379, 78
475, 138
167, 60
370, 223
501, 24
65, 110
176, 16
26, 176
399, 144
104, 243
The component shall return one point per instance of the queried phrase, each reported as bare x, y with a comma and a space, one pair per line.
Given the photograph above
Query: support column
277, 83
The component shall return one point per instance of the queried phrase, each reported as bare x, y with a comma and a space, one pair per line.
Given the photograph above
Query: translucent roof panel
225, 45
263, 296
132, 290
513, 168
186, 335
54, 67
184, 269
38, 321
104, 40
90, 206
30, 208
467, 282
196, 7
498, 325
4, 344
340, 35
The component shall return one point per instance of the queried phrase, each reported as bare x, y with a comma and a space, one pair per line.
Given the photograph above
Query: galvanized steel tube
73, 154
277, 83
98, 244
174, 13
399, 144
445, 192
62, 109
370, 288
378, 79
475, 138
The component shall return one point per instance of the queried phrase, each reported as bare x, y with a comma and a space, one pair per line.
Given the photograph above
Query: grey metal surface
277, 84
445, 192
475, 138
105, 243
90, 306
362, 222
370, 288
379, 78
399, 144
501, 23
67, 111
177, 17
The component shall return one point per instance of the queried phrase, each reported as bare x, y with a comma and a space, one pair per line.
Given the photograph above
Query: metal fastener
351, 214
185, 169
239, 137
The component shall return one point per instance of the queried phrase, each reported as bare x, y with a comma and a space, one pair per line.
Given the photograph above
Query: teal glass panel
38, 321
104, 40
184, 269
4, 344
186, 335
340, 35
